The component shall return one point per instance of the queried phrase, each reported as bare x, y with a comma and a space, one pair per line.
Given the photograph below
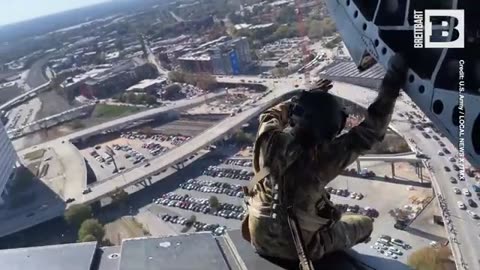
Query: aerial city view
252, 134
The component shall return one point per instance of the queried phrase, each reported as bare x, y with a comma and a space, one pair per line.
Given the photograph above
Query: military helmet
320, 112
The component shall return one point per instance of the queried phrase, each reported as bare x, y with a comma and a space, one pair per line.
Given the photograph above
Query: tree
176, 76
91, 227
213, 201
315, 29
205, 81
399, 214
328, 26
77, 214
120, 196
430, 258
191, 220
150, 100
131, 97
88, 238
244, 138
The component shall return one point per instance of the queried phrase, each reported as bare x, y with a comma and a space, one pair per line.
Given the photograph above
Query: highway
36, 76
467, 228
119, 122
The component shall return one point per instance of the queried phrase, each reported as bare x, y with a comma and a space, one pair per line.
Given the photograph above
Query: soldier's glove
396, 76
322, 85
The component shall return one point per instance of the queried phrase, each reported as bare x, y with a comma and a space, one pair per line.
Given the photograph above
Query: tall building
220, 56
8, 160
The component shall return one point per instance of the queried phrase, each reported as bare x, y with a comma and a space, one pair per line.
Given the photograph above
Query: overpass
123, 122
24, 97
51, 121
139, 174
178, 155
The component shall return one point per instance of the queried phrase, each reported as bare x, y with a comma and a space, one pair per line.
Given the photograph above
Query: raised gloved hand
396, 76
323, 85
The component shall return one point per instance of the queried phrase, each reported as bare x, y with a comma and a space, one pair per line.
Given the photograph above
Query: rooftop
147, 83
78, 256
186, 251
349, 69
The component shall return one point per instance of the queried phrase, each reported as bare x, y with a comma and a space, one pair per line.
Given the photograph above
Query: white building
8, 160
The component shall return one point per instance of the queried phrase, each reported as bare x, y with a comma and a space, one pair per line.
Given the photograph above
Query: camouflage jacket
307, 176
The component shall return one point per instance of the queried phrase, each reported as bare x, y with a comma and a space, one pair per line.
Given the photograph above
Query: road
183, 104
467, 228
178, 19
36, 76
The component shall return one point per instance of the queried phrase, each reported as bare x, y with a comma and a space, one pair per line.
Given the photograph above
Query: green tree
91, 227
244, 138
120, 196
213, 202
88, 238
191, 220
77, 214
172, 90
328, 26
315, 29
206, 81
151, 100
431, 258
176, 76
141, 99
131, 97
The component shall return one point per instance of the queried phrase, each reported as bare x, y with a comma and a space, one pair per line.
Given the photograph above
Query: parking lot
373, 197
223, 179
130, 150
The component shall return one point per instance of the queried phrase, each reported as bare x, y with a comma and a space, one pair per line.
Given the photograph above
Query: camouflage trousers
274, 239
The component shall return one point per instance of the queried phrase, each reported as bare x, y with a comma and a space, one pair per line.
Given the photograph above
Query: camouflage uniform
322, 231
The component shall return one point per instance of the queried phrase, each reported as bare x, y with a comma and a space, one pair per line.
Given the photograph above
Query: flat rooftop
188, 251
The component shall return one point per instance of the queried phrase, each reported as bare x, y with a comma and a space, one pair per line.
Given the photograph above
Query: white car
472, 214
461, 205
466, 192
395, 251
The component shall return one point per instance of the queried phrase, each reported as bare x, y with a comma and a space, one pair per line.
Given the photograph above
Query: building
111, 81
220, 56
148, 86
186, 251
8, 162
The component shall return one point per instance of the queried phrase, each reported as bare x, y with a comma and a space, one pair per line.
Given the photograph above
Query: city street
466, 227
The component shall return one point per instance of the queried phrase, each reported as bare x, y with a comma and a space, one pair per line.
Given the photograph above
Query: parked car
472, 203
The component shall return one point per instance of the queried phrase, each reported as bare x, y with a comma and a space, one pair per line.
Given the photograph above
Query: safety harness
282, 205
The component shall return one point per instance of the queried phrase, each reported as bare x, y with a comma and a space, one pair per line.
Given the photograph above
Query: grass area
110, 111
37, 154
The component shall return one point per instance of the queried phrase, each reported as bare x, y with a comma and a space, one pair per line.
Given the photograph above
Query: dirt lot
125, 227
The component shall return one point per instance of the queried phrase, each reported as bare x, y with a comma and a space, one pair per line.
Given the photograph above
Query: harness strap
262, 174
